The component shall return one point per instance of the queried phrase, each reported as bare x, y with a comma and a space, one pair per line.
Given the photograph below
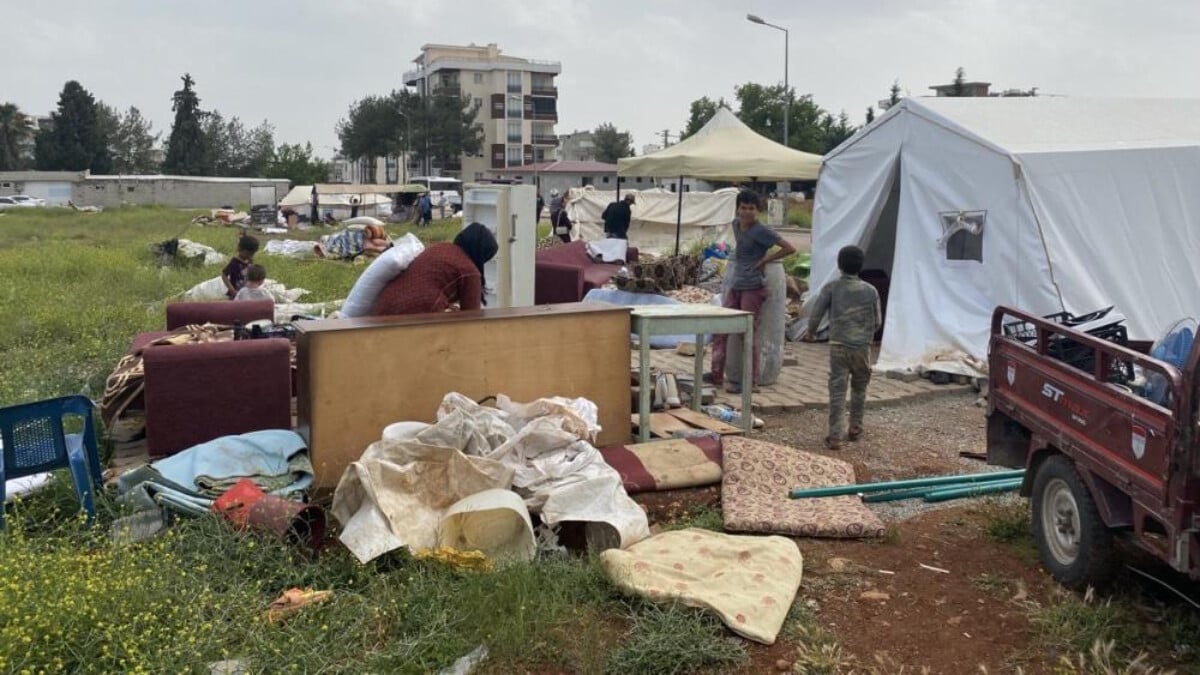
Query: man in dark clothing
616, 218
541, 204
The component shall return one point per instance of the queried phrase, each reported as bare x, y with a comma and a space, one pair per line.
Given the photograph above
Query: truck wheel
1074, 543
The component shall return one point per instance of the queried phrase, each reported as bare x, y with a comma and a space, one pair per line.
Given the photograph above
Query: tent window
962, 234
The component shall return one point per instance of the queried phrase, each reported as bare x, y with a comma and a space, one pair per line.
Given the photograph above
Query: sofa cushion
223, 312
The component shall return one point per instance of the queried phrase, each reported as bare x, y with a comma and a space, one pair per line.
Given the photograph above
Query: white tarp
652, 228
725, 149
300, 197
1079, 204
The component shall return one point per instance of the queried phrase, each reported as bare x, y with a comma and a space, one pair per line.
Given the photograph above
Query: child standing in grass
853, 308
234, 274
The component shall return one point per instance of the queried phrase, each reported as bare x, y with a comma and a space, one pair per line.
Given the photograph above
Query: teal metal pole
973, 490
835, 490
895, 495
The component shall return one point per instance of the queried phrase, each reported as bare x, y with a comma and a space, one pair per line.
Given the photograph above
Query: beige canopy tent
724, 149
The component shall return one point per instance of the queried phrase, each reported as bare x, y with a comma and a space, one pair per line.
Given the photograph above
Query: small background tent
724, 149
1046, 204
657, 215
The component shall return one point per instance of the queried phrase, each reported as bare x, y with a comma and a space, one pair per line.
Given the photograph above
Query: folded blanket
666, 465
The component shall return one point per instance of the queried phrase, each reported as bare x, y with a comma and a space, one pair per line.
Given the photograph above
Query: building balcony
544, 91
551, 116
545, 139
448, 89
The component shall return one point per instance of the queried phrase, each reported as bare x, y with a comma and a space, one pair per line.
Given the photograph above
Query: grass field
74, 290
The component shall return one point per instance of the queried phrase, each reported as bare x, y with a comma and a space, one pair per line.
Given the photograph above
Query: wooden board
355, 377
664, 425
703, 421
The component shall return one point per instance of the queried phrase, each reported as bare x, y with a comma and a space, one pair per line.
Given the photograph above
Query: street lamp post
787, 93
787, 90
407, 136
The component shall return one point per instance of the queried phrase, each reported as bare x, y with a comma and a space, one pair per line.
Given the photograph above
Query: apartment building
518, 104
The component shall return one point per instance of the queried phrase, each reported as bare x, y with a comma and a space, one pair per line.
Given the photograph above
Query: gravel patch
901, 440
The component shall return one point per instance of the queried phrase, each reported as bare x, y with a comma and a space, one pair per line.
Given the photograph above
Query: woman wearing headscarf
442, 275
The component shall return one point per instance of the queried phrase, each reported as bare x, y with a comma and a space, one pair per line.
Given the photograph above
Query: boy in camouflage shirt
854, 316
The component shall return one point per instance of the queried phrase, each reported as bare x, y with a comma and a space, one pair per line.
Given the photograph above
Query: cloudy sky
637, 64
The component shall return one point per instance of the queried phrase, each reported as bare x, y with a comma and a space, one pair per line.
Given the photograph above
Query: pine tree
186, 147
76, 141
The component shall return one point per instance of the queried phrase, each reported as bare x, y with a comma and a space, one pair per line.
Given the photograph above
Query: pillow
382, 269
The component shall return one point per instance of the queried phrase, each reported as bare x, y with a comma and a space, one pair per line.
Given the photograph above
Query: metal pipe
913, 493
835, 490
679, 219
973, 490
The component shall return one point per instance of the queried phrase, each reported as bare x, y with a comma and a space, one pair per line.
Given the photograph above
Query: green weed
674, 639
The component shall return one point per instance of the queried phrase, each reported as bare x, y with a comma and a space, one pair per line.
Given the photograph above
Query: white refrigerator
509, 211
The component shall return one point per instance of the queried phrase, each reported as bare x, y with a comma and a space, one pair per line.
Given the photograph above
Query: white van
441, 188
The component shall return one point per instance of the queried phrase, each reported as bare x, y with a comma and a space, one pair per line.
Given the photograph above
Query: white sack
190, 249
382, 269
608, 250
291, 248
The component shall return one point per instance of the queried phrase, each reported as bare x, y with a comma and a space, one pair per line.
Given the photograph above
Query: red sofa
197, 392
565, 273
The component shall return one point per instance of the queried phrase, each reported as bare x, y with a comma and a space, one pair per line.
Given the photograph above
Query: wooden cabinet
356, 376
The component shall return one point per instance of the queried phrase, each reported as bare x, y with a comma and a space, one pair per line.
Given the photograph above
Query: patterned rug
754, 493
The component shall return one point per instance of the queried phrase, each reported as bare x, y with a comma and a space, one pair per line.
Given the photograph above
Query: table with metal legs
698, 320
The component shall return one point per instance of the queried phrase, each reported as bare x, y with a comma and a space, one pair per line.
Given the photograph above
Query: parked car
27, 200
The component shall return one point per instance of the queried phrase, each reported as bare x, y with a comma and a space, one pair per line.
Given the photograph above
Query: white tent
301, 196
703, 216
725, 149
1045, 204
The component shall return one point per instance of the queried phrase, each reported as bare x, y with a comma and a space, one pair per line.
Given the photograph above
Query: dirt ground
873, 596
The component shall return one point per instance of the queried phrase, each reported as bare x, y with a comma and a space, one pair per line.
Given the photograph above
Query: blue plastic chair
34, 440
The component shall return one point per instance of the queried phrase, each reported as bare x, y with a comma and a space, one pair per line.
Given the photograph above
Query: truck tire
1075, 545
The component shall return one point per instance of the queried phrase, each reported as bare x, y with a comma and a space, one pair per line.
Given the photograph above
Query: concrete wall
178, 192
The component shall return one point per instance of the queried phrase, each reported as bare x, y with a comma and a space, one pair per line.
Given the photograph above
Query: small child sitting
253, 290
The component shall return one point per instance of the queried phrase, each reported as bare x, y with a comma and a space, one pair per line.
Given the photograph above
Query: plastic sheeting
401, 490
1082, 203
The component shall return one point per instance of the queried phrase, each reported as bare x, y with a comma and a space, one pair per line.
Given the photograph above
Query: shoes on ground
832, 443
854, 433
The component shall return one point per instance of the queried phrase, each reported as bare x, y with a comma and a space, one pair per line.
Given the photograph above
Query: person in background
854, 315
617, 216
560, 225
748, 287
234, 274
556, 201
354, 207
441, 276
425, 207
253, 290
541, 204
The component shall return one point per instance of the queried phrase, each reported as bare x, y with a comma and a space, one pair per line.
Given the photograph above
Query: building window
514, 155
515, 106
514, 81
638, 179
129, 189
605, 179
478, 78
478, 102
962, 235
392, 169
514, 131
585, 181
478, 175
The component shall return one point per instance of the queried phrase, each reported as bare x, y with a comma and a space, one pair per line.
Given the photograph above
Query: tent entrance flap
879, 241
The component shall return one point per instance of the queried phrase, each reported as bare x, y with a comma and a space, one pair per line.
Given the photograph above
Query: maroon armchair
222, 312
565, 273
197, 392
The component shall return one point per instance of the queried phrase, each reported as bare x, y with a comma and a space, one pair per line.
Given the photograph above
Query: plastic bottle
722, 413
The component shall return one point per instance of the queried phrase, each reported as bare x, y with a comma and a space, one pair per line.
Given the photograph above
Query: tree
836, 130
13, 135
230, 149
762, 109
186, 148
870, 114
297, 164
443, 127
894, 95
699, 113
75, 142
611, 144
132, 145
960, 83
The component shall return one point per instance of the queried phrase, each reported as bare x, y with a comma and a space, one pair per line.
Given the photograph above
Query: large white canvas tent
1045, 204
725, 149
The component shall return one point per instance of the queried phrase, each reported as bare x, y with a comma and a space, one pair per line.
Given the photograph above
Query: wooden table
648, 320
